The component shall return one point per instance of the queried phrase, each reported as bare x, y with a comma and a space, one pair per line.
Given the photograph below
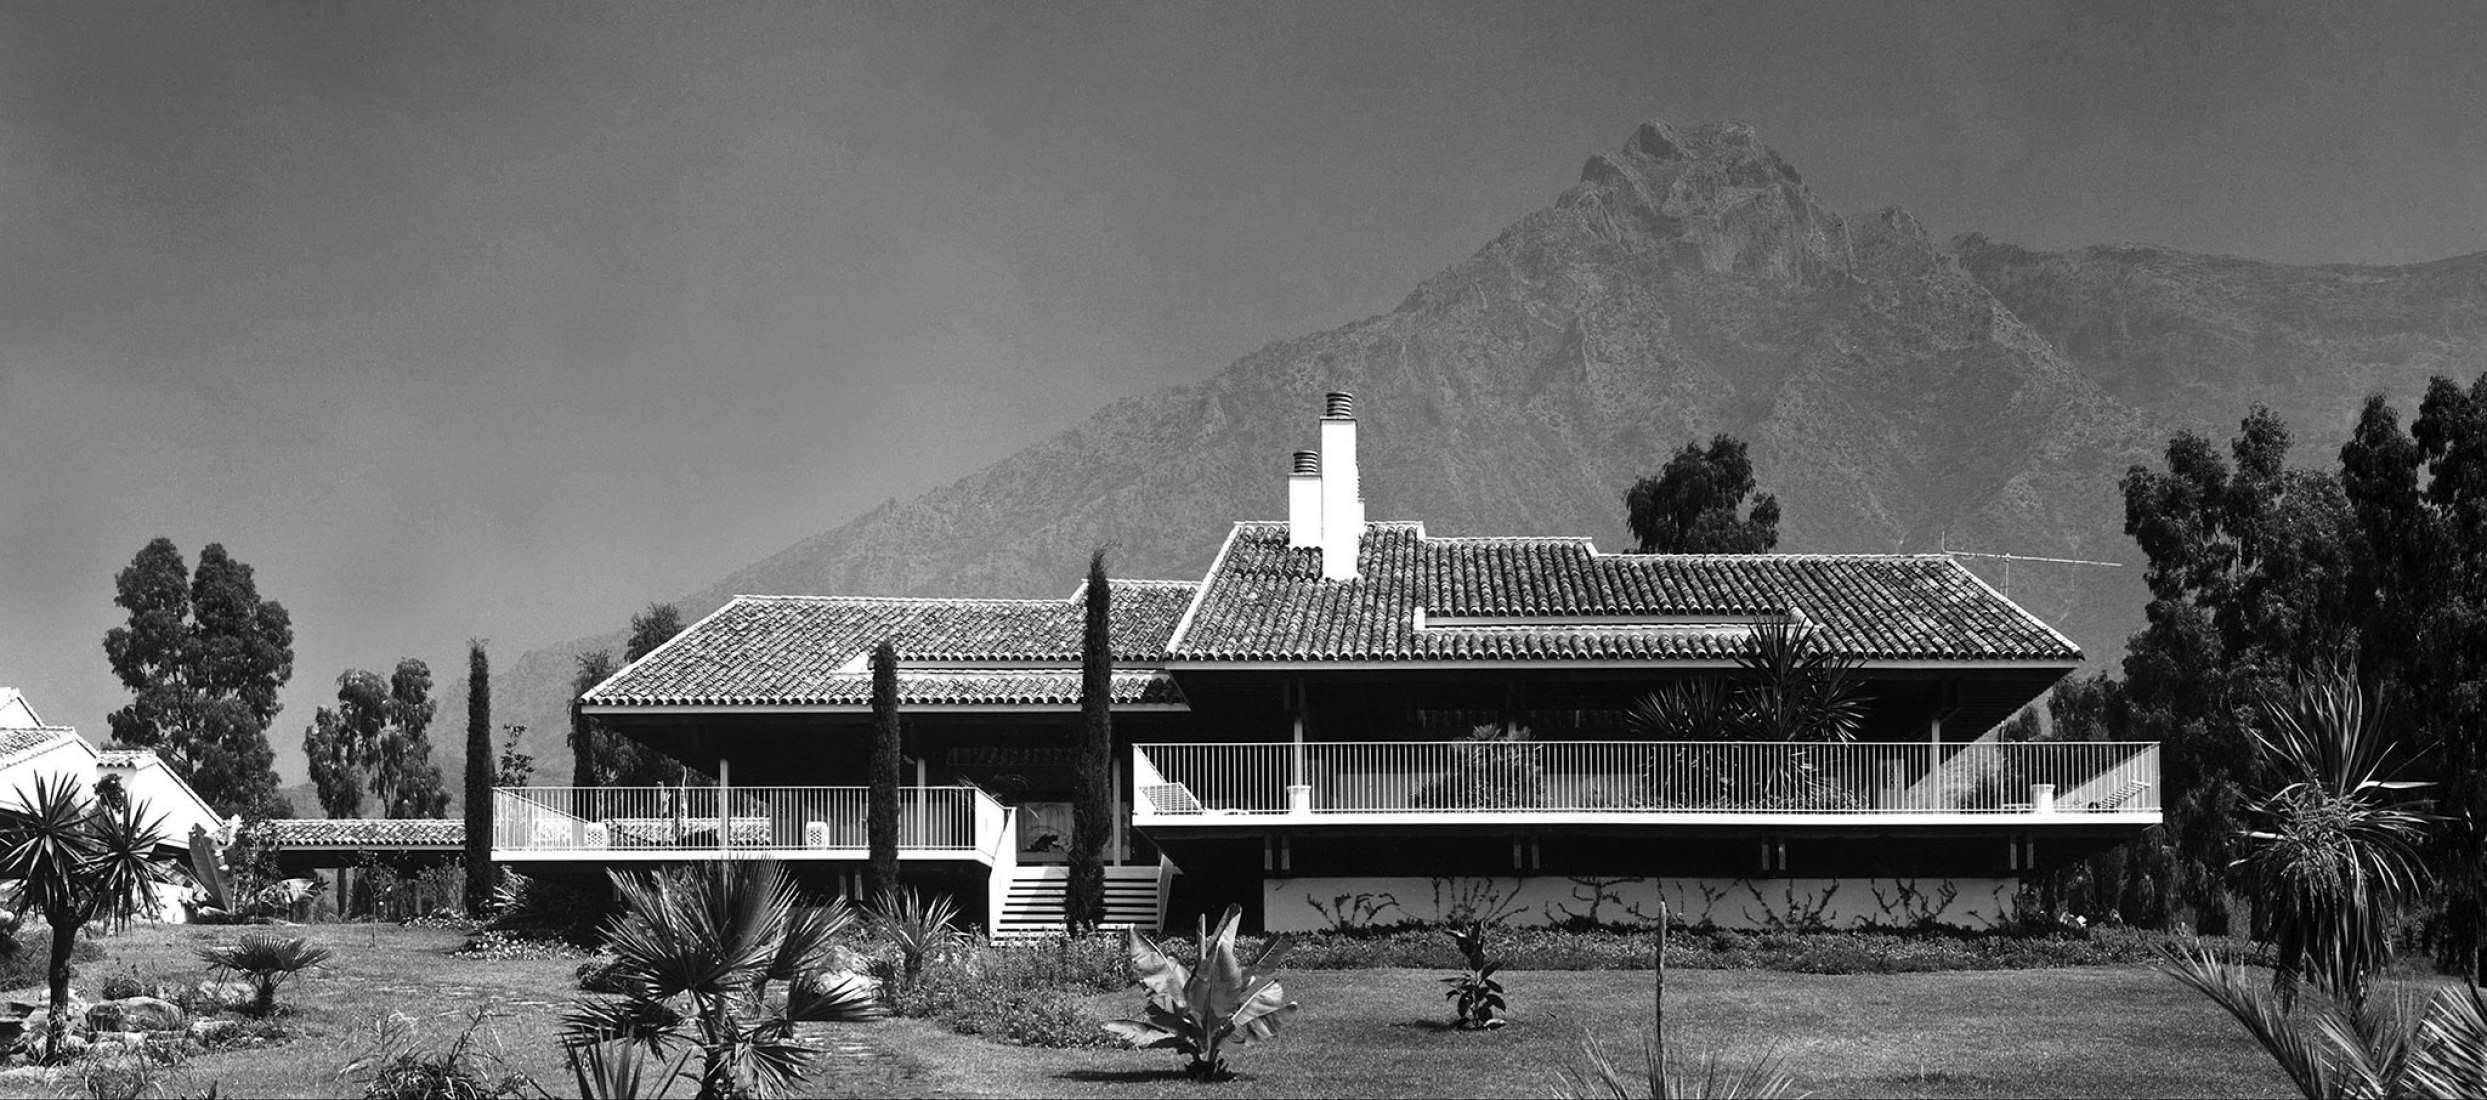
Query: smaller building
30, 750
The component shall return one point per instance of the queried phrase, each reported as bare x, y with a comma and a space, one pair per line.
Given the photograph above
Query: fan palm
75, 860
698, 952
2332, 851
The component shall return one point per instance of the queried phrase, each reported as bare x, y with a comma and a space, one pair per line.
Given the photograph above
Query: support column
725, 802
1299, 793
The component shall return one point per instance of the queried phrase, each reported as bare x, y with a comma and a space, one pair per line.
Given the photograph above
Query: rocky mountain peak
1713, 198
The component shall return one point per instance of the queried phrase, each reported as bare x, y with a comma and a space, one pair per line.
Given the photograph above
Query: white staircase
1033, 907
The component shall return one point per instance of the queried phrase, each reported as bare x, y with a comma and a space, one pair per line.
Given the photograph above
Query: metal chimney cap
1340, 405
1308, 463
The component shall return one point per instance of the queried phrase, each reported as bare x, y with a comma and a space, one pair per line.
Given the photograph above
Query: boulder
225, 994
136, 1014
208, 1032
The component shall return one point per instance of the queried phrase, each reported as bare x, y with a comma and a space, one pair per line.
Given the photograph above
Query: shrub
1025, 995
266, 962
602, 975
493, 943
394, 1066
1706, 948
533, 908
1478, 997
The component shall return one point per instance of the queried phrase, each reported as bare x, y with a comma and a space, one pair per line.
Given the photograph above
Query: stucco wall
1309, 904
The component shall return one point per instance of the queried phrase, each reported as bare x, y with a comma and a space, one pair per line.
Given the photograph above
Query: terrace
789, 823
1644, 782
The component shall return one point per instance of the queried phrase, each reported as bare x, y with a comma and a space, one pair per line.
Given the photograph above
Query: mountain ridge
1892, 391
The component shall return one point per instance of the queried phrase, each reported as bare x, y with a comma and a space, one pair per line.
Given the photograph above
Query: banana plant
1478, 996
1198, 1010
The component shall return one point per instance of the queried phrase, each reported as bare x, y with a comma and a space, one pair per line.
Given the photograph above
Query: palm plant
697, 955
919, 925
266, 962
2332, 852
1789, 685
2332, 1050
74, 860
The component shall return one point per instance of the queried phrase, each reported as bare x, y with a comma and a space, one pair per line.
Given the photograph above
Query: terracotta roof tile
810, 651
1265, 601
372, 832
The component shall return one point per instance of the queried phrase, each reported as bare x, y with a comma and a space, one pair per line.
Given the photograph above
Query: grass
330, 1009
2097, 1031
2120, 1030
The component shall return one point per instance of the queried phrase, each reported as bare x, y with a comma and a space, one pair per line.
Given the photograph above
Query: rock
72, 1045
209, 1032
136, 1014
225, 994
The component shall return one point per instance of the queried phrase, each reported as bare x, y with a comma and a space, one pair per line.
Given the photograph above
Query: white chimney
1342, 502
1304, 501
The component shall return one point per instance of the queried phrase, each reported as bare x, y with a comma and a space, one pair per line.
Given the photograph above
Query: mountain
1898, 395
2195, 338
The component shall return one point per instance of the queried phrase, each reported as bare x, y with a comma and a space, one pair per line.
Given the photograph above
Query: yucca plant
1197, 1010
698, 953
266, 962
1476, 995
2332, 850
74, 860
1595, 1075
918, 925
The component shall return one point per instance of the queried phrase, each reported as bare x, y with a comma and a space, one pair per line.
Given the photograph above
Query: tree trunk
64, 941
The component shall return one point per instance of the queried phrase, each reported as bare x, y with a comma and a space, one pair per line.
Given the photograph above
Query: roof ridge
1053, 601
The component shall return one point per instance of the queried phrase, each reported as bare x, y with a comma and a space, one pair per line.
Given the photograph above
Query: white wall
1311, 904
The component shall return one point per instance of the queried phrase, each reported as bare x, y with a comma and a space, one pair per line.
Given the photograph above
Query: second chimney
1342, 502
1304, 501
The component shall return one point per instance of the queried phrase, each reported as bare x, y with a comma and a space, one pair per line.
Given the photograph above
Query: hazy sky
503, 320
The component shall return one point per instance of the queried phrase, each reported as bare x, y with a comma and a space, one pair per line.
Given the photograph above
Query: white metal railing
692, 819
1661, 776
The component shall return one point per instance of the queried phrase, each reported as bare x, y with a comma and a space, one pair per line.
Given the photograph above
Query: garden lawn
2098, 1031
376, 970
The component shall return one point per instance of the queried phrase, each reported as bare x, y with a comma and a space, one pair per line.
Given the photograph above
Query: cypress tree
478, 778
881, 818
1092, 808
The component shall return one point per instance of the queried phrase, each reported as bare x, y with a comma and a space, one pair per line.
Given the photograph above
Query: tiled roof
367, 832
17, 744
1266, 602
811, 651
124, 758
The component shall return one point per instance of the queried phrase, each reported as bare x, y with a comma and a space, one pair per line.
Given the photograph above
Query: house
1349, 722
29, 750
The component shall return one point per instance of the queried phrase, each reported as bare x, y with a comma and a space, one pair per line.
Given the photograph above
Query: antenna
2008, 559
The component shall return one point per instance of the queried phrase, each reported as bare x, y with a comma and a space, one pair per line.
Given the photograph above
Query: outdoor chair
1171, 798
2120, 795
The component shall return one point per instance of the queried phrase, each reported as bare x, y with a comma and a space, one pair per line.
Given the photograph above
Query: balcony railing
1206, 781
791, 821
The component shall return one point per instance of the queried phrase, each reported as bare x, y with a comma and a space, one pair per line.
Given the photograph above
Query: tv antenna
2008, 559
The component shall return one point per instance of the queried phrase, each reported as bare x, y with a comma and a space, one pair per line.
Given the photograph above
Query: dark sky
504, 320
